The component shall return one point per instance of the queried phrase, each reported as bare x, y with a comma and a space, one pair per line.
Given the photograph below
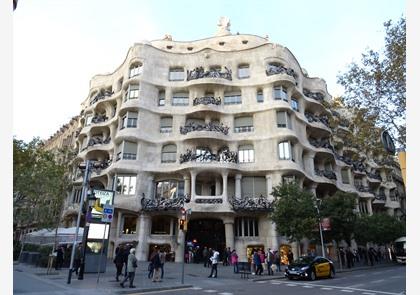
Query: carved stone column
144, 232
118, 230
274, 238
193, 176
230, 238
369, 206
187, 185
238, 191
150, 194
269, 185
225, 186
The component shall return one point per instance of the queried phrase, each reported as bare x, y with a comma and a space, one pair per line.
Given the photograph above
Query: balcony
344, 159
274, 69
98, 140
208, 200
206, 156
251, 204
364, 189
207, 100
358, 166
163, 204
99, 119
101, 95
314, 118
374, 176
314, 95
321, 143
199, 73
326, 173
193, 126
243, 129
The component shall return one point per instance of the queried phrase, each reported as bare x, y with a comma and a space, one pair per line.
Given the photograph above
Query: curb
364, 268
145, 290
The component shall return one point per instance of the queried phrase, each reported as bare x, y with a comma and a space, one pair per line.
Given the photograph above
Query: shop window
161, 225
129, 225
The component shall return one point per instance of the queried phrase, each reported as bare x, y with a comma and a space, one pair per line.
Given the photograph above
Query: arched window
169, 153
135, 70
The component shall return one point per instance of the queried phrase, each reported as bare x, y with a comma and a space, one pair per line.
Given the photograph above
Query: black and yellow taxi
310, 267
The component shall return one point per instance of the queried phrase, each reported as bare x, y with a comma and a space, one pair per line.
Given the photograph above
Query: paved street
387, 279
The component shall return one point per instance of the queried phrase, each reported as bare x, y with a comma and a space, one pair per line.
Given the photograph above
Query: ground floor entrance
202, 233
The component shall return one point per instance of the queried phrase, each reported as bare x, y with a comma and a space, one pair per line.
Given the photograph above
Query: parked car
307, 267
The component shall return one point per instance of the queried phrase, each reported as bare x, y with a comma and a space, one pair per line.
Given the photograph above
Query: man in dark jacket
119, 262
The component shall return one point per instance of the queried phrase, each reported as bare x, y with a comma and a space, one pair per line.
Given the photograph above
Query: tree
339, 208
377, 84
294, 213
40, 184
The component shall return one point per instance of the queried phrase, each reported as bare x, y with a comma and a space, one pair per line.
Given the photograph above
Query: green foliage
39, 184
340, 209
378, 84
378, 228
294, 212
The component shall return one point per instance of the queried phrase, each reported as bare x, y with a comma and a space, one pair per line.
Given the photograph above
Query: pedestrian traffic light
183, 214
181, 224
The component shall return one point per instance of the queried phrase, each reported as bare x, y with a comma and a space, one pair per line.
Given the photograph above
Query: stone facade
212, 125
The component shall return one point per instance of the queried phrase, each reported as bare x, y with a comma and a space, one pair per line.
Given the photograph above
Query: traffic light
181, 224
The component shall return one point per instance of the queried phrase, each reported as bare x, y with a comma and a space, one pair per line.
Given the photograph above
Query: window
260, 96
126, 184
285, 151
161, 101
243, 71
135, 70
345, 176
295, 104
363, 207
77, 194
169, 153
166, 125
161, 225
180, 99
88, 120
132, 92
176, 74
128, 150
246, 227
243, 124
289, 179
233, 98
280, 93
169, 189
246, 154
253, 186
283, 119
129, 225
129, 120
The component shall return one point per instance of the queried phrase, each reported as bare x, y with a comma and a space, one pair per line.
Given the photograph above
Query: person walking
77, 259
234, 260
270, 261
257, 262
206, 256
277, 260
162, 257
290, 256
126, 253
155, 260
131, 268
214, 261
60, 258
119, 262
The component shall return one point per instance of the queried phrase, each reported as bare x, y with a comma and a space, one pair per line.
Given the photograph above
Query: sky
59, 45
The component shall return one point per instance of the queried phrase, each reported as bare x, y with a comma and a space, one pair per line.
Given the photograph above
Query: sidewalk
194, 273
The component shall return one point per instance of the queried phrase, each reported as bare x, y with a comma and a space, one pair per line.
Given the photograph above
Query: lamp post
320, 225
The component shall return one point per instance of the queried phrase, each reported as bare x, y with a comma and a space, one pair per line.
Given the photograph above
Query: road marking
226, 293
291, 285
197, 288
368, 293
326, 288
210, 291
308, 286
276, 283
348, 291
378, 281
261, 282
396, 277
161, 291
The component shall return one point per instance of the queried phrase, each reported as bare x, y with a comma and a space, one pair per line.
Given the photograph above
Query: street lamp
320, 225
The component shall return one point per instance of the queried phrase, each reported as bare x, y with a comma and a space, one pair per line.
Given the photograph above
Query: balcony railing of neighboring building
193, 126
101, 95
374, 176
99, 119
207, 156
321, 143
97, 140
251, 204
279, 69
314, 95
314, 118
163, 204
326, 173
206, 100
199, 73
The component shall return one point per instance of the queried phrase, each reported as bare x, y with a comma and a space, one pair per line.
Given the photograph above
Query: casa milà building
212, 125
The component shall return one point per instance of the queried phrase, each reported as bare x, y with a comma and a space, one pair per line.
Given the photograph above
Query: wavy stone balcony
101, 95
251, 204
163, 204
199, 73
99, 119
215, 127
326, 173
314, 118
207, 100
364, 189
279, 69
321, 143
314, 95
224, 156
344, 159
359, 167
374, 176
97, 140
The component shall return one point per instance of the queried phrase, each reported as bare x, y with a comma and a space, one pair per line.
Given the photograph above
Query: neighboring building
221, 121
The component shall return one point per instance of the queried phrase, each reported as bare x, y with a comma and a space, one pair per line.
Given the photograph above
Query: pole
100, 257
82, 199
320, 227
183, 261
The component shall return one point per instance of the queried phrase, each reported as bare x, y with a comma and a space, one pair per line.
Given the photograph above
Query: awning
47, 236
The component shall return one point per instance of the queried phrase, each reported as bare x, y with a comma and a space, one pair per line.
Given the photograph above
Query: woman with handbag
131, 268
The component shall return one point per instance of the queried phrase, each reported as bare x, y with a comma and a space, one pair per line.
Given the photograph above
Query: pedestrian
162, 257
60, 258
119, 262
253, 267
209, 255
155, 260
131, 268
277, 260
262, 258
257, 263
206, 256
270, 261
126, 253
349, 257
371, 256
290, 257
234, 260
229, 256
77, 259
214, 261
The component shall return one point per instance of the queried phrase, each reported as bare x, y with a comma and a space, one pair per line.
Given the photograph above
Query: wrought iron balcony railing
207, 156
314, 95
101, 95
314, 118
251, 204
206, 100
359, 166
279, 69
326, 173
98, 140
192, 126
374, 176
321, 143
163, 204
199, 73
99, 119
364, 189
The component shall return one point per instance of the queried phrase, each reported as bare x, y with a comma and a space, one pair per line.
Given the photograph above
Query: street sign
108, 213
103, 198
